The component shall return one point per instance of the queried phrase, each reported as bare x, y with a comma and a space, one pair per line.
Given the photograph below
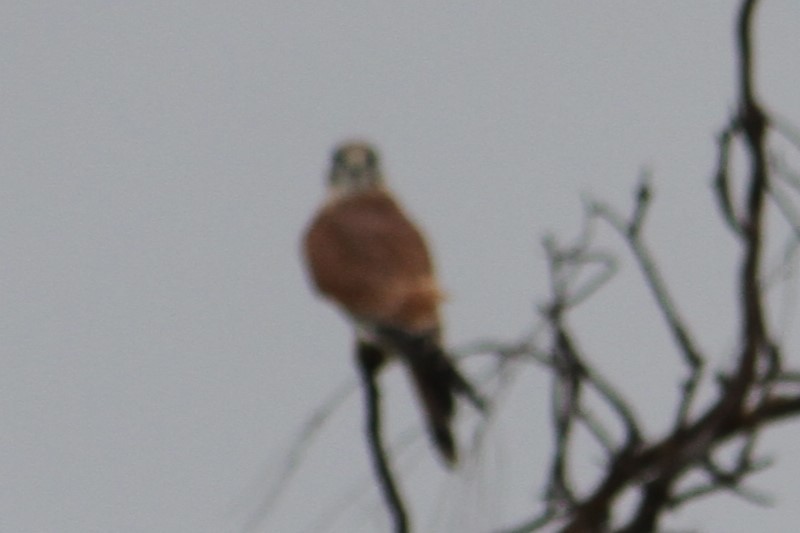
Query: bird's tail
438, 381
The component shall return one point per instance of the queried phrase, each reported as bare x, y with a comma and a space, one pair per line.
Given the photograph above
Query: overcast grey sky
158, 161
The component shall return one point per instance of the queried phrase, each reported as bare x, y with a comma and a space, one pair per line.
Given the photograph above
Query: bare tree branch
631, 232
786, 129
370, 360
753, 124
722, 179
747, 396
297, 450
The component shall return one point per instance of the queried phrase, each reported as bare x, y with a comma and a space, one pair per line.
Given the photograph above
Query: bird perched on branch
366, 255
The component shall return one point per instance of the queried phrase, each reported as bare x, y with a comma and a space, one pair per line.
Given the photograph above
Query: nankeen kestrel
365, 255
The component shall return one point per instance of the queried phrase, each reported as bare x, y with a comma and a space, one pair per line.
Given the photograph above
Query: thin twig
370, 360
787, 130
786, 209
614, 398
753, 123
632, 234
297, 450
566, 398
722, 178
597, 430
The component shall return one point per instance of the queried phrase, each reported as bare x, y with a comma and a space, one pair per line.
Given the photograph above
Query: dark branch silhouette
370, 359
755, 394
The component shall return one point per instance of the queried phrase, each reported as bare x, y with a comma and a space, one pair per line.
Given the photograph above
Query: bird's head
355, 167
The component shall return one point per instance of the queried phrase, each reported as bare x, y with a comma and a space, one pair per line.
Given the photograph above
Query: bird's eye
338, 158
371, 159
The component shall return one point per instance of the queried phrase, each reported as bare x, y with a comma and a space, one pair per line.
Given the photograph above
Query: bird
364, 253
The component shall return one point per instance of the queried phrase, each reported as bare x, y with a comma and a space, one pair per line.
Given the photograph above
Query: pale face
355, 168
